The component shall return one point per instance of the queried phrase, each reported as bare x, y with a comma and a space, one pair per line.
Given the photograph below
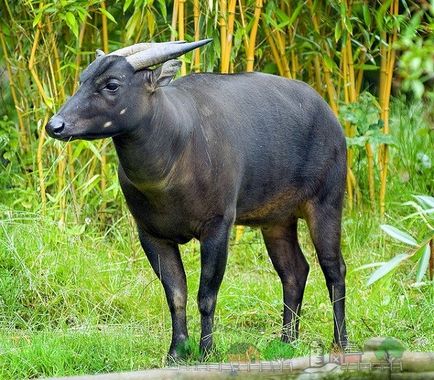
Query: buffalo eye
112, 86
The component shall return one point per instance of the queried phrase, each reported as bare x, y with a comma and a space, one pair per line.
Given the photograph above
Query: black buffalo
207, 151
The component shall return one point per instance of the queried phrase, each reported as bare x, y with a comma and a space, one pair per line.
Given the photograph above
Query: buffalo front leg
166, 261
291, 266
214, 251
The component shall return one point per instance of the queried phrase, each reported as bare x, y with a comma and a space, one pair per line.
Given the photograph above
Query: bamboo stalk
223, 34
174, 20
294, 65
32, 69
226, 56
104, 34
78, 57
359, 75
196, 14
282, 48
181, 31
350, 181
252, 39
243, 23
274, 52
385, 97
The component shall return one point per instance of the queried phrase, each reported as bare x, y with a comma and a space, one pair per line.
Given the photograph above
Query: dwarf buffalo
207, 151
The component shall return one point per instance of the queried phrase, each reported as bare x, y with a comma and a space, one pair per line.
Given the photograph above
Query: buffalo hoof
178, 354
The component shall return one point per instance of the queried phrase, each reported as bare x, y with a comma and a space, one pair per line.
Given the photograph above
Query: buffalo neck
149, 153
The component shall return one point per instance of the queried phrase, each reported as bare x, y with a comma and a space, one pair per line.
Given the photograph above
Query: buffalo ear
164, 74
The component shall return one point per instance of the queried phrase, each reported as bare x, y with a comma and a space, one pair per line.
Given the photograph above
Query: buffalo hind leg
291, 266
166, 261
214, 250
324, 221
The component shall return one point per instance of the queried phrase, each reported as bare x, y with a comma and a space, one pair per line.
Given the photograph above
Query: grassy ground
85, 301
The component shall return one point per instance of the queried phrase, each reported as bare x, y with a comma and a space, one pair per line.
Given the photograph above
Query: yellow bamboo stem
282, 52
181, 32
351, 80
78, 57
243, 23
223, 33
104, 34
196, 14
174, 19
389, 63
350, 188
274, 51
226, 58
360, 72
32, 69
252, 39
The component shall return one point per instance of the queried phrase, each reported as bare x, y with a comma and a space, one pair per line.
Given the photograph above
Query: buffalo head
112, 97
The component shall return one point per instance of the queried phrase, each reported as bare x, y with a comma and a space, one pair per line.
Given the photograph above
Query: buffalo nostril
56, 126
59, 127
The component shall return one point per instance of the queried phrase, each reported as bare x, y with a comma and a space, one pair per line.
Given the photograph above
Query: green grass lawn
89, 303
86, 301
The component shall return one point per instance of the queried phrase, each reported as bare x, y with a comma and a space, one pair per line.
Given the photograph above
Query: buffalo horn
129, 50
158, 53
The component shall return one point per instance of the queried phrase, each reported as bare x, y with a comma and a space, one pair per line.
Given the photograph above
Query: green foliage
420, 254
417, 61
8, 142
364, 114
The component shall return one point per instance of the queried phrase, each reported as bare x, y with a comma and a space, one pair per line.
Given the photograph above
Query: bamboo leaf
295, 13
423, 263
38, 17
95, 150
387, 268
367, 266
338, 31
398, 234
151, 23
415, 257
127, 5
163, 9
367, 16
380, 14
425, 199
132, 23
72, 23
107, 14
